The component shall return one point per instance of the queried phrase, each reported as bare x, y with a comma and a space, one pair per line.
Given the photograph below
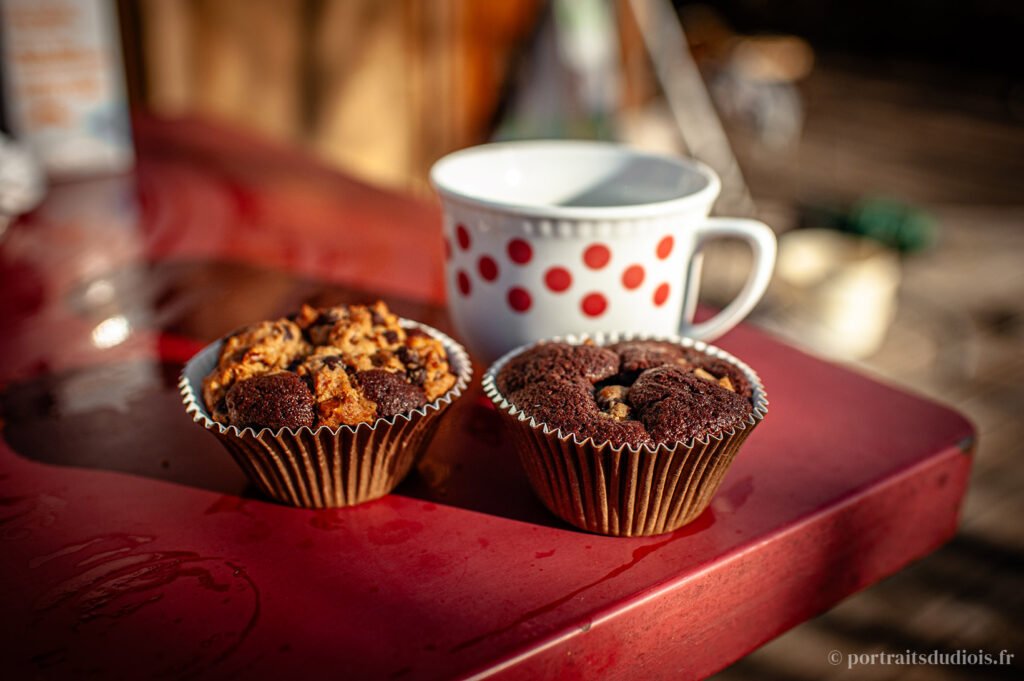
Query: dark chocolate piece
391, 391
277, 400
719, 368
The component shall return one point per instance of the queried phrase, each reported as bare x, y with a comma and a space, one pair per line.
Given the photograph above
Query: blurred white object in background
64, 86
22, 184
588, 47
833, 293
756, 85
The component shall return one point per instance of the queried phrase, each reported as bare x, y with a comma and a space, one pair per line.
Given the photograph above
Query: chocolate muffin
631, 393
628, 439
325, 367
286, 387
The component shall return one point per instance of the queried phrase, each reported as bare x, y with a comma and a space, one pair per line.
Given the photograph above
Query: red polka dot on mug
520, 251
665, 247
488, 268
594, 304
596, 256
463, 281
519, 299
558, 279
462, 235
633, 277
661, 294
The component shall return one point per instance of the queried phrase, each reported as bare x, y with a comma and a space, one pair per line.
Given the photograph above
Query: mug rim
449, 192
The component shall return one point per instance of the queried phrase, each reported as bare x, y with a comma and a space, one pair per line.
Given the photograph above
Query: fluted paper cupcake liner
621, 490
327, 467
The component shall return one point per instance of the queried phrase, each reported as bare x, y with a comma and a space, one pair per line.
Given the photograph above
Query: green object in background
895, 224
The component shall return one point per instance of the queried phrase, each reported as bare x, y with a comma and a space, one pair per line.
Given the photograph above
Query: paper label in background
64, 88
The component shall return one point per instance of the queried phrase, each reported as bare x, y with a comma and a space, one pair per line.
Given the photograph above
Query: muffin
328, 407
626, 435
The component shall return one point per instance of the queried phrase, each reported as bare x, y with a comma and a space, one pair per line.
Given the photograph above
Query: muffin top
325, 367
631, 393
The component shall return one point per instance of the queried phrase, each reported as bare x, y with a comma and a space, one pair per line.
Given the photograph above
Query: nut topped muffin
325, 367
631, 393
284, 397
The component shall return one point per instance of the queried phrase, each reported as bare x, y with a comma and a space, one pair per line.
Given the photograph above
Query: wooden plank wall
379, 88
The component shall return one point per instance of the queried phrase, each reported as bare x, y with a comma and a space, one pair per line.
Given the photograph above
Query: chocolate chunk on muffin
360, 330
630, 393
277, 400
392, 393
356, 363
725, 374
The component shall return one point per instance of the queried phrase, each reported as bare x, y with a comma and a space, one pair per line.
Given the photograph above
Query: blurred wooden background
381, 88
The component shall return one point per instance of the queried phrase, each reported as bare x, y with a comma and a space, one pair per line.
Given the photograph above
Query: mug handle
762, 241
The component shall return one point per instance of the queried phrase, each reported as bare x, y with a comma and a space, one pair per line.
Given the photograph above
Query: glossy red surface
130, 545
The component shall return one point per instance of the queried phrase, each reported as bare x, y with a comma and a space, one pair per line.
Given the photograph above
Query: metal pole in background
688, 98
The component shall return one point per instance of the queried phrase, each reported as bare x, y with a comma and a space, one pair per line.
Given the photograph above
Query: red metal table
131, 547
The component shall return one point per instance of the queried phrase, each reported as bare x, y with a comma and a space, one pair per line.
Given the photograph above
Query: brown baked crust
676, 405
569, 404
558, 361
426, 362
338, 400
637, 356
631, 393
342, 354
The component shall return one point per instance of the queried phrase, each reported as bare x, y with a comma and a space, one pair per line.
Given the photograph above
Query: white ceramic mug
553, 237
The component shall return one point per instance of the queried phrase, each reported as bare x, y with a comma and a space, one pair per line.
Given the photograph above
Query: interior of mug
568, 174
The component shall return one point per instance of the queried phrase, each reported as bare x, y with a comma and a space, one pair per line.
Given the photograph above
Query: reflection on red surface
105, 416
23, 515
208, 606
